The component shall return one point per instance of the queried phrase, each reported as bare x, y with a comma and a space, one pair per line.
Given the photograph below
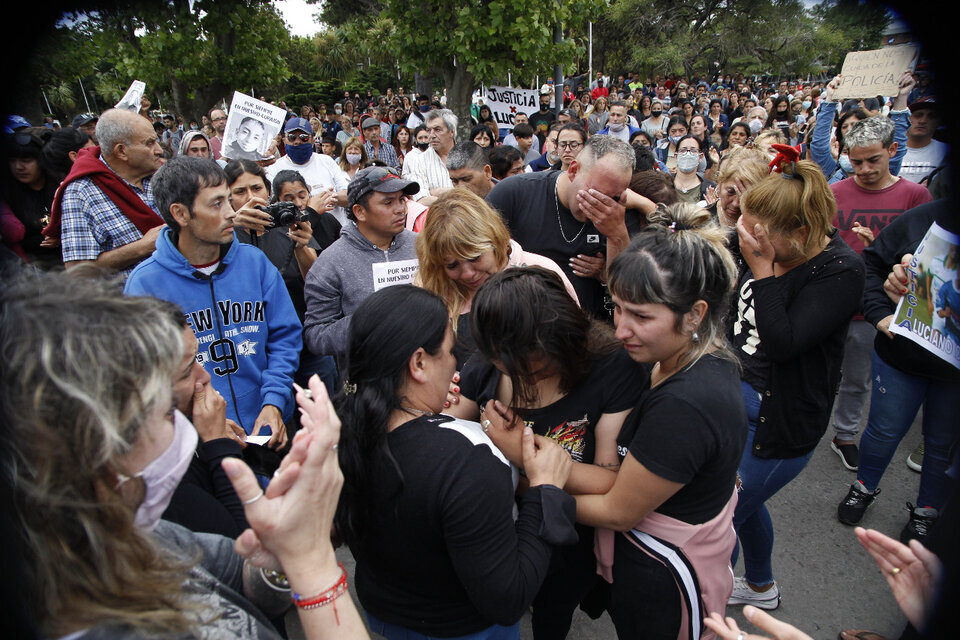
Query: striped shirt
428, 170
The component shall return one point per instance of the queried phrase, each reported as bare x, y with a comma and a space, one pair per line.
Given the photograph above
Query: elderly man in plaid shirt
104, 211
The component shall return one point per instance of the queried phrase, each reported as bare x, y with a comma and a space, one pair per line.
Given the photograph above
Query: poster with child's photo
929, 313
251, 126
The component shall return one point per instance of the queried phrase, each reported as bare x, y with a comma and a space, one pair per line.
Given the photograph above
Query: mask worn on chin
422, 145
687, 162
300, 153
755, 126
845, 163
161, 476
353, 158
616, 127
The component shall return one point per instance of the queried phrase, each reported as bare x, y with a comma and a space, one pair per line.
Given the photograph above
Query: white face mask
618, 127
354, 158
755, 126
162, 475
687, 162
845, 163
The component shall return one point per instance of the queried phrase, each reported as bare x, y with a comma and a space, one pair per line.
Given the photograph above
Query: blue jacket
249, 333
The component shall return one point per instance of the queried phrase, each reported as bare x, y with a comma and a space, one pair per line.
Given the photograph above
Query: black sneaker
849, 454
851, 510
921, 521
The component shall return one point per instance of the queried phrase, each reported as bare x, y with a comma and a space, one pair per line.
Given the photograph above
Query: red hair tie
785, 155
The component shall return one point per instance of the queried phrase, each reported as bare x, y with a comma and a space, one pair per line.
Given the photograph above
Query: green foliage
859, 25
708, 36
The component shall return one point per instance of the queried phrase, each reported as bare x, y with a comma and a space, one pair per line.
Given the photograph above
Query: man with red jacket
104, 211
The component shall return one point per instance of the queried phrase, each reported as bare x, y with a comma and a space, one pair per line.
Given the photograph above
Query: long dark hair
385, 330
524, 313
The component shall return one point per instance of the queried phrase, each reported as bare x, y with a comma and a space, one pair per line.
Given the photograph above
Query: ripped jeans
761, 478
897, 396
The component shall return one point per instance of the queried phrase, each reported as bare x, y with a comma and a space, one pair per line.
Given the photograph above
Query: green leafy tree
479, 41
860, 24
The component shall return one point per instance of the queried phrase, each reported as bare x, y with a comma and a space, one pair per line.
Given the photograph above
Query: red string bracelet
324, 597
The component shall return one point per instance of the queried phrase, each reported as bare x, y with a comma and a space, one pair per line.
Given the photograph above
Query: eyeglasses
303, 137
571, 145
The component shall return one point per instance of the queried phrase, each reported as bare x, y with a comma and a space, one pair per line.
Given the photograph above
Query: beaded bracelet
324, 597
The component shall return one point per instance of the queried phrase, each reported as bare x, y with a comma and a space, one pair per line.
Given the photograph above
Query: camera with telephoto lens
284, 214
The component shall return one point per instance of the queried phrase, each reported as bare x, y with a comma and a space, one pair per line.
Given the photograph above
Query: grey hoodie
339, 280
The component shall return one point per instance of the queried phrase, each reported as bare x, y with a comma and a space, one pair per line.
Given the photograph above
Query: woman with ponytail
672, 497
427, 503
801, 287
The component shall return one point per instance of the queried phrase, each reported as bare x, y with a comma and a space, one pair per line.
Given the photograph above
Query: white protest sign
131, 99
868, 74
506, 102
929, 313
388, 274
251, 127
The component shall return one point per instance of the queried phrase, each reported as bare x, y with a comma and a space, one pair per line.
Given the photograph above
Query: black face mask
656, 114
422, 145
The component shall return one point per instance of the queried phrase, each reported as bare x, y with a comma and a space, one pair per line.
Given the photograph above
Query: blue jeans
897, 396
396, 632
761, 478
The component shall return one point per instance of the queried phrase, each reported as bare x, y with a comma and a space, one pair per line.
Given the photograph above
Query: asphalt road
827, 581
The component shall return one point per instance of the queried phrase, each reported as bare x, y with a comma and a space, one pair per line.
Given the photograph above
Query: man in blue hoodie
233, 297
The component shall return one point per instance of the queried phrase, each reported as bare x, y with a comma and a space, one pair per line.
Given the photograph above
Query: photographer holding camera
232, 296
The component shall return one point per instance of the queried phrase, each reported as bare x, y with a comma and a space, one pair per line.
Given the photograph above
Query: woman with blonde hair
598, 116
462, 244
800, 287
738, 170
353, 157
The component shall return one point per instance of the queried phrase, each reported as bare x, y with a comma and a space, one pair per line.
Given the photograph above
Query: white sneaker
743, 594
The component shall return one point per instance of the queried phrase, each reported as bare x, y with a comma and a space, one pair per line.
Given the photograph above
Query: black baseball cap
380, 179
84, 118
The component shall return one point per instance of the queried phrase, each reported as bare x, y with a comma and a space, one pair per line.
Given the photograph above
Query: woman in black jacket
795, 300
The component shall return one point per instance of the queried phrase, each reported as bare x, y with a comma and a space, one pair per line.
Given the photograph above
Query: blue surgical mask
300, 153
424, 108
674, 140
806, 104
845, 163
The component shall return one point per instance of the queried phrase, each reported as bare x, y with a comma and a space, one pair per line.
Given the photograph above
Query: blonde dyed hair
77, 390
462, 225
799, 197
746, 165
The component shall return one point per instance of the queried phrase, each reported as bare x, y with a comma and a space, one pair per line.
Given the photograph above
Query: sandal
850, 634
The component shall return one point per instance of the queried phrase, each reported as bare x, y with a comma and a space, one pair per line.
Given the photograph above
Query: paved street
827, 581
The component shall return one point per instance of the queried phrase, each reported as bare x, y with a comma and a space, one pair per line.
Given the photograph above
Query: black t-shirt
613, 384
530, 208
540, 122
443, 556
691, 429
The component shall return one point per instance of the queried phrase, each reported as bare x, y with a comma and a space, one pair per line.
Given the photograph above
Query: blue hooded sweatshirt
249, 334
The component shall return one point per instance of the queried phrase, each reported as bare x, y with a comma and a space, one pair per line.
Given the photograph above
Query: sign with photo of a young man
251, 126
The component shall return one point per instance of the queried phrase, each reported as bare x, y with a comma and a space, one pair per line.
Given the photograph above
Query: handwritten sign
929, 313
251, 126
388, 274
506, 102
868, 74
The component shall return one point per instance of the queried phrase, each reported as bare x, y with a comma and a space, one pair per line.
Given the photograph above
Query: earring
695, 337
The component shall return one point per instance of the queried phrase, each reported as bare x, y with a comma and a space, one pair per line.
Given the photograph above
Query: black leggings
645, 600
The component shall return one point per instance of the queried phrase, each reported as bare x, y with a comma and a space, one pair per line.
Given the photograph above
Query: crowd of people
564, 364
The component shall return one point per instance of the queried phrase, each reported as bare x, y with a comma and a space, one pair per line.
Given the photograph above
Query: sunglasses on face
302, 137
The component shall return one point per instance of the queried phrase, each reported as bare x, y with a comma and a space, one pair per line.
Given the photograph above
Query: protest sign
506, 102
388, 274
929, 313
251, 125
131, 99
868, 74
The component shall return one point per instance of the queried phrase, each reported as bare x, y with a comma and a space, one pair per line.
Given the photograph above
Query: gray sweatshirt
340, 279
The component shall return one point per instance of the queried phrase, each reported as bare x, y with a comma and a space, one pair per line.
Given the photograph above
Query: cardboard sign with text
506, 102
868, 74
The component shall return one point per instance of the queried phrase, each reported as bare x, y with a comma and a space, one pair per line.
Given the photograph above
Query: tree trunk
460, 85
422, 83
